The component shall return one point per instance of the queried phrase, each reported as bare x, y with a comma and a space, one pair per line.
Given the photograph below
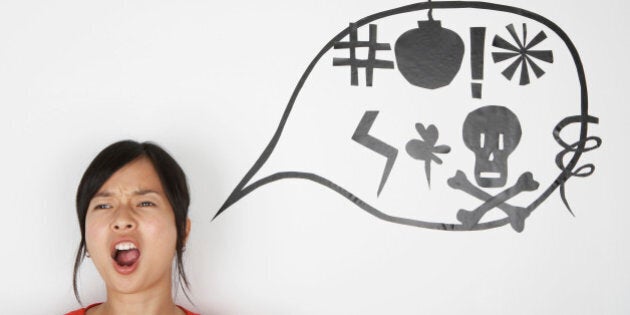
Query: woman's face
130, 230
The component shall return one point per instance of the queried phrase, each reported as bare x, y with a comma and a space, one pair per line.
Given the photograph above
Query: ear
187, 230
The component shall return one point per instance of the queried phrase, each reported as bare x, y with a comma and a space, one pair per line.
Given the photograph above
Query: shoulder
81, 311
183, 309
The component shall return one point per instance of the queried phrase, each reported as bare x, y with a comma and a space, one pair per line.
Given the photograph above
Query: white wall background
209, 82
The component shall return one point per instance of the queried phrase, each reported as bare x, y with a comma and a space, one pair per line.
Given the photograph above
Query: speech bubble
384, 116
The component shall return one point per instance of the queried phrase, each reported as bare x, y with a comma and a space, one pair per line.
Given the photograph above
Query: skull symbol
492, 133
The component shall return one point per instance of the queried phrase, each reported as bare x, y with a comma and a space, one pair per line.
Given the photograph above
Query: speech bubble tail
228, 202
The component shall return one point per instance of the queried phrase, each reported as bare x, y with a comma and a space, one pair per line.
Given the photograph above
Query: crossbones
517, 215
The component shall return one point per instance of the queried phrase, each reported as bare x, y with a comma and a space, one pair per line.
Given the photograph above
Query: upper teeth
125, 246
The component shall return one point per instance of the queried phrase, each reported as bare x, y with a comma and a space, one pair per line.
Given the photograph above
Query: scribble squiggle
580, 146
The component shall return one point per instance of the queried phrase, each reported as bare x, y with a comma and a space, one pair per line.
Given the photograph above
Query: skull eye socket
501, 142
482, 140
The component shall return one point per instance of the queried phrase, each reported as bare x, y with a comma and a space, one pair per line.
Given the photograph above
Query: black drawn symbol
584, 170
256, 177
492, 133
516, 215
477, 44
426, 149
429, 56
361, 135
370, 63
522, 52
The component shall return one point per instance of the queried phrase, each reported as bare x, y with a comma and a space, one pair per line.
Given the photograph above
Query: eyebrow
141, 192
102, 194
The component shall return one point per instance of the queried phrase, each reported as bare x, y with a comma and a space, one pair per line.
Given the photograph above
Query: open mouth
125, 256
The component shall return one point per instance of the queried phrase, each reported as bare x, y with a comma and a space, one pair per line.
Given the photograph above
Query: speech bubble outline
244, 187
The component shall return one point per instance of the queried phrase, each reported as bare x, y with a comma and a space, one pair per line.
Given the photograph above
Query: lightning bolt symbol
362, 137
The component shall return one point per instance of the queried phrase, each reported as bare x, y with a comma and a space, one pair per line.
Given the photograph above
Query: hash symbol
370, 63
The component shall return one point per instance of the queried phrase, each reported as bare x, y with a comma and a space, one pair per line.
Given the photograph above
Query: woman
132, 205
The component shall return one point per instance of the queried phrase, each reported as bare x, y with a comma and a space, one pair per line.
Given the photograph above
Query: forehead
138, 174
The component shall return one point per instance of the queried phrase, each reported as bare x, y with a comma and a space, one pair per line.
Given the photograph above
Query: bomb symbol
429, 56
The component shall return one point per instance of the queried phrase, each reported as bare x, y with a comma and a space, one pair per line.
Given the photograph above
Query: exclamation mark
477, 41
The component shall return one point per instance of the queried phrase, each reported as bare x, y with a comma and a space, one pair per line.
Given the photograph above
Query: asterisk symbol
522, 53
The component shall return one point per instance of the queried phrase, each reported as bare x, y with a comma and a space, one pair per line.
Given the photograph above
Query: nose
123, 221
123, 226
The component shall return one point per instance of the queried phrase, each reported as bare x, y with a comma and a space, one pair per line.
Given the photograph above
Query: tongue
127, 257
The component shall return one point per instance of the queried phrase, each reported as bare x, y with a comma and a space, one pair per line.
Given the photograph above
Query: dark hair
172, 178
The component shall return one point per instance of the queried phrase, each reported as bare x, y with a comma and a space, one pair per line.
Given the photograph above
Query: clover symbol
426, 149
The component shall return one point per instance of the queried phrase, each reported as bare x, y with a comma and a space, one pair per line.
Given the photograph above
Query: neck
156, 300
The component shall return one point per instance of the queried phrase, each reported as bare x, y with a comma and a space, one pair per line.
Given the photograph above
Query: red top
82, 310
